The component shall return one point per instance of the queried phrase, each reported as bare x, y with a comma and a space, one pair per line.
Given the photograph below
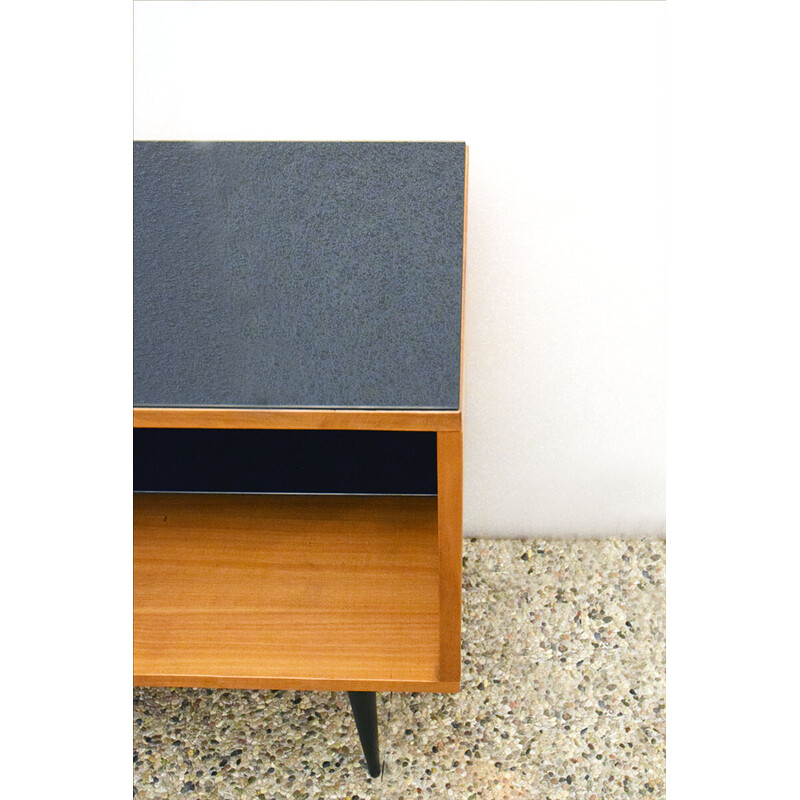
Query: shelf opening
286, 592
229, 461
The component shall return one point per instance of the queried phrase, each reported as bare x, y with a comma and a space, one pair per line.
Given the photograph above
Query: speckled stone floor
563, 696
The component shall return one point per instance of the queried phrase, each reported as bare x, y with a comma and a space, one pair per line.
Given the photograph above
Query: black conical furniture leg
365, 712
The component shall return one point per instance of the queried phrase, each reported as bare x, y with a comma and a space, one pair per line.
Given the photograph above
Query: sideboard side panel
450, 502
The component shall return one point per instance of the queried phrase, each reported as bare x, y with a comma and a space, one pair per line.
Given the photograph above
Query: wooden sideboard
297, 417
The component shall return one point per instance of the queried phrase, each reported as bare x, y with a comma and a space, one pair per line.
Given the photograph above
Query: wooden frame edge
299, 684
298, 419
449, 510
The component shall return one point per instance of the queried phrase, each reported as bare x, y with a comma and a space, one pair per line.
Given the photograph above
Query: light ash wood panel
247, 591
297, 419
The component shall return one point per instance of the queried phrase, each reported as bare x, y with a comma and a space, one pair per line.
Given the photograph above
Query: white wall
560, 104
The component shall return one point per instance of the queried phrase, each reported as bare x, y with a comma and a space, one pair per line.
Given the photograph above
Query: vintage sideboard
298, 314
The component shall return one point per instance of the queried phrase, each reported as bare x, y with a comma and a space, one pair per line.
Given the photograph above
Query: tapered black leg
365, 712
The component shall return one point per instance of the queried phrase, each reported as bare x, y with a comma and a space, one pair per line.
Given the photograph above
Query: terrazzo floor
563, 696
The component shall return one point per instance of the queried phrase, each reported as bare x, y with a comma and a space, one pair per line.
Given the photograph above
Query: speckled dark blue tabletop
298, 274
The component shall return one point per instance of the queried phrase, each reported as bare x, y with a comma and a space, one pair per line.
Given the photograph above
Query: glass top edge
301, 141
290, 409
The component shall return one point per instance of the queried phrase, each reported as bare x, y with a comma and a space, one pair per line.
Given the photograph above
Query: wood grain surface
449, 457
294, 592
298, 419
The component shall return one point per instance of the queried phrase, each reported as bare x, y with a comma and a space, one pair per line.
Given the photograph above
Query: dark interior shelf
284, 461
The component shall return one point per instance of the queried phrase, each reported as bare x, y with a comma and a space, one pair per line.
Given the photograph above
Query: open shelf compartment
288, 592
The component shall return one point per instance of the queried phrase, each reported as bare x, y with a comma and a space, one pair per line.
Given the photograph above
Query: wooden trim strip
298, 419
449, 467
300, 684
